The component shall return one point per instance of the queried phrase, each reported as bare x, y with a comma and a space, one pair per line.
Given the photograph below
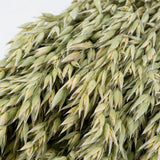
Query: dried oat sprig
84, 84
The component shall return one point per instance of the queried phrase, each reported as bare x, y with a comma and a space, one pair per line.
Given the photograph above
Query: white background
13, 13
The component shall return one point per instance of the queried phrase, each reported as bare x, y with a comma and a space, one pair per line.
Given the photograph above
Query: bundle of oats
84, 85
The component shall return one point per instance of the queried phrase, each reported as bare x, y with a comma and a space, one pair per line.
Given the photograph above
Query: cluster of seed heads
84, 85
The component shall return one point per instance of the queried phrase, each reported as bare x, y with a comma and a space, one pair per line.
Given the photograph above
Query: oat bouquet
84, 85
